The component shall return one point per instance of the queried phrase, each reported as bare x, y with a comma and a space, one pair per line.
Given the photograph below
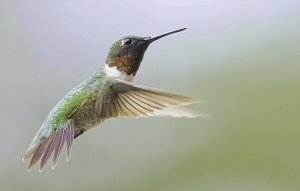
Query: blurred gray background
240, 57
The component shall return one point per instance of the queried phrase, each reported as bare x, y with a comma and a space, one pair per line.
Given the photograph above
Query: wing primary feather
144, 101
161, 98
167, 97
150, 99
132, 109
167, 94
125, 106
119, 108
134, 105
134, 100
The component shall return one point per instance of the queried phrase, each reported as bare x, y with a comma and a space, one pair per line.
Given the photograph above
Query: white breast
115, 73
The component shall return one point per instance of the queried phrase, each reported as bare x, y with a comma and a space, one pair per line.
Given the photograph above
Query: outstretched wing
120, 99
43, 146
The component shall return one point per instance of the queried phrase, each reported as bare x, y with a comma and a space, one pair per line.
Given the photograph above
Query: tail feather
61, 139
69, 139
48, 151
38, 153
51, 145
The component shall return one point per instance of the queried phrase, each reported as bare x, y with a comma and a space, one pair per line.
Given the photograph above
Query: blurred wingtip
178, 112
203, 115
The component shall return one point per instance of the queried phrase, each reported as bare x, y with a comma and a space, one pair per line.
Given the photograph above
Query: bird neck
122, 67
114, 72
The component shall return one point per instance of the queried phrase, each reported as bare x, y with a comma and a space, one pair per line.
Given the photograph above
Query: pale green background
242, 58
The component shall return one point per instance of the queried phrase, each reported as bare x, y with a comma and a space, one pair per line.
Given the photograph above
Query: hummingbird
108, 93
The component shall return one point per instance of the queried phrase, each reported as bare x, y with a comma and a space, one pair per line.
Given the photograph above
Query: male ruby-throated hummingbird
108, 93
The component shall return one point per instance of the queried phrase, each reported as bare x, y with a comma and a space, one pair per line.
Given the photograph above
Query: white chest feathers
115, 73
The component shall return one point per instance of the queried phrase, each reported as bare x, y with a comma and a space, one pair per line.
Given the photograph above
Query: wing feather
138, 104
121, 98
124, 108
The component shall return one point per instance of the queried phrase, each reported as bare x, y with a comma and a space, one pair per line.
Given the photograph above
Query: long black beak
151, 39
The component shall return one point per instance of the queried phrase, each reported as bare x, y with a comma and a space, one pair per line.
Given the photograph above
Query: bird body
108, 93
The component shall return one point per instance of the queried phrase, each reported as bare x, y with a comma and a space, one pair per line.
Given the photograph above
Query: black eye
127, 41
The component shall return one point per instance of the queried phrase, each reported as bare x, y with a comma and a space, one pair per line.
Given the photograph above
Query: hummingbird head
126, 55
